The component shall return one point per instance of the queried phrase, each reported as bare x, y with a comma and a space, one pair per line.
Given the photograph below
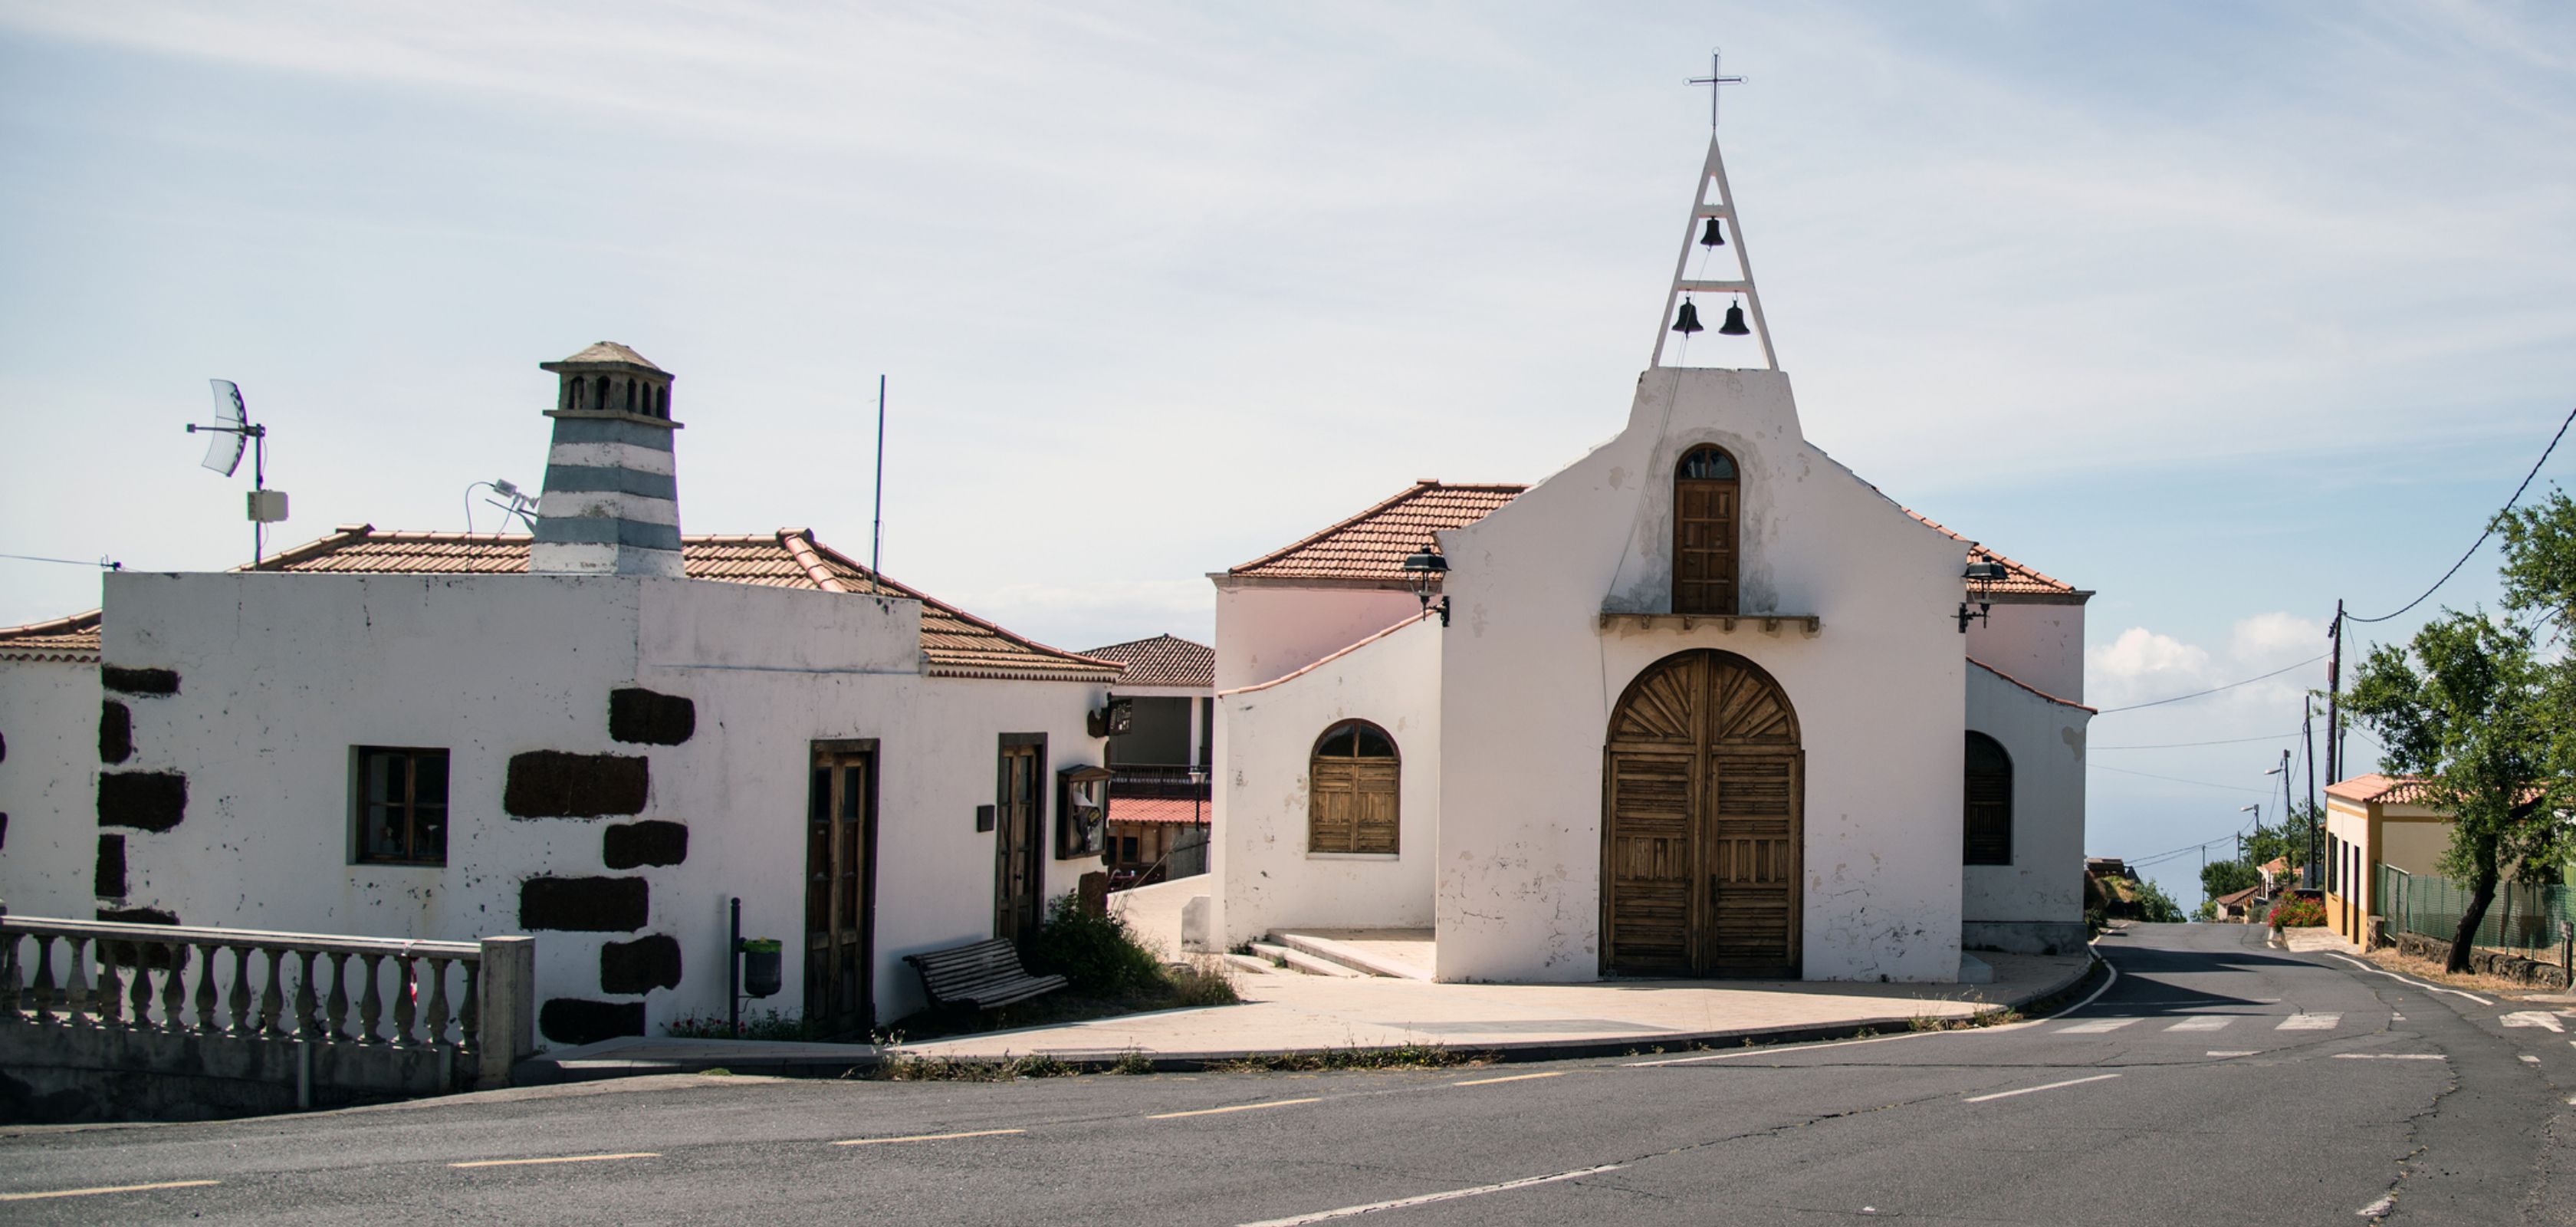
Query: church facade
1702, 703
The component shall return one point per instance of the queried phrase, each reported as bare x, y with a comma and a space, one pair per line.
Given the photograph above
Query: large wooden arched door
1701, 823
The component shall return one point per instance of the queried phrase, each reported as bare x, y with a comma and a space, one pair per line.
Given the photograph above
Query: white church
1703, 703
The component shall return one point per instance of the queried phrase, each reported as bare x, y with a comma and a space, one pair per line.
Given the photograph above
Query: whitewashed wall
2041, 644
1264, 633
48, 787
2036, 904
1265, 743
281, 675
1529, 678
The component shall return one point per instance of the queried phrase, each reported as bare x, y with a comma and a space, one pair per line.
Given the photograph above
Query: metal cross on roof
1715, 80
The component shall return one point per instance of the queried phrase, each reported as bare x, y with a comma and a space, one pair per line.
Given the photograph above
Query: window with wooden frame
401, 806
1351, 791
1706, 509
1988, 819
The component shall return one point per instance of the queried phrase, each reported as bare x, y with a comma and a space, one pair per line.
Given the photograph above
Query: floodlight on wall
1425, 568
1982, 576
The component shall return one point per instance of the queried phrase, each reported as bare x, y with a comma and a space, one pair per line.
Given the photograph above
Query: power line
2177, 745
2215, 689
2491, 524
103, 563
2179, 780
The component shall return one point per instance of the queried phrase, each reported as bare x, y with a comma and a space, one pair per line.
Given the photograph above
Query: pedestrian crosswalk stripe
2309, 1022
2206, 1022
2096, 1026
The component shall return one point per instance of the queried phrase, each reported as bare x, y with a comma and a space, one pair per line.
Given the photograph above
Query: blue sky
2224, 311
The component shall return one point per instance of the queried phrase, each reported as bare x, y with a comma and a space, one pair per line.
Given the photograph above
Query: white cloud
2142, 666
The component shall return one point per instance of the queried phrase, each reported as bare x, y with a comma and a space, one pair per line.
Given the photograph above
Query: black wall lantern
1982, 576
1425, 568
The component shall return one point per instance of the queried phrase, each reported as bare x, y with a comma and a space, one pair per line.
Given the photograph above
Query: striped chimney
611, 503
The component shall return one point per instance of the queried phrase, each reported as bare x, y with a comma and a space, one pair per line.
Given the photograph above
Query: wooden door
1702, 823
1016, 839
840, 889
1705, 494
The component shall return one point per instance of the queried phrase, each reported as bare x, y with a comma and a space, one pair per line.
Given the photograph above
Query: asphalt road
2213, 1081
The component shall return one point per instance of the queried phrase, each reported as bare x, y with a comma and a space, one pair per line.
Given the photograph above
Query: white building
413, 735
1699, 704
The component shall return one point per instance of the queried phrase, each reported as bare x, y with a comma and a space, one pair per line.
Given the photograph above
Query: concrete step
1356, 959
1252, 964
1299, 960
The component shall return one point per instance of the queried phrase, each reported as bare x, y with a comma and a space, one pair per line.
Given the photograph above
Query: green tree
2228, 877
2155, 906
2290, 841
2473, 711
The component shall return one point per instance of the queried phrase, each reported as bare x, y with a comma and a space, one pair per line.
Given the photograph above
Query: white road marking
2377, 1208
2034, 1089
109, 1188
1241, 1107
2434, 988
2208, 1022
2309, 1022
640, 1154
2529, 1059
2231, 1052
2542, 1019
1513, 1078
1425, 1199
930, 1137
2095, 1026
2390, 1056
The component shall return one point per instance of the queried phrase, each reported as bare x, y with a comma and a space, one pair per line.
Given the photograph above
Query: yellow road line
640, 1154
1514, 1078
1241, 1107
111, 1188
930, 1137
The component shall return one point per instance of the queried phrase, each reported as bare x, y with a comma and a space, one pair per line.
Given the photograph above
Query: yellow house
2374, 820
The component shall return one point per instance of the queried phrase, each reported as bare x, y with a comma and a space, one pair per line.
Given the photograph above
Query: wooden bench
979, 976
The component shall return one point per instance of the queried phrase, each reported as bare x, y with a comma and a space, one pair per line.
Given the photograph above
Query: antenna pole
258, 482
876, 536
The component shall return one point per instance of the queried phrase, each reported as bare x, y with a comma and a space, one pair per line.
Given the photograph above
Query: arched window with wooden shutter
1351, 790
1706, 510
1988, 817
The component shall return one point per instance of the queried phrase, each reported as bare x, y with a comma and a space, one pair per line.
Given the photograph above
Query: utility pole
2308, 729
2334, 685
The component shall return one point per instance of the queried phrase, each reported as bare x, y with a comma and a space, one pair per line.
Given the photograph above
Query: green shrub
2298, 914
1096, 955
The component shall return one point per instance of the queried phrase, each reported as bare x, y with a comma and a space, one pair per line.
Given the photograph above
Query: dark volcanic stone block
108, 880
554, 784
115, 732
584, 905
139, 681
143, 800
138, 916
645, 717
629, 844
571, 1020
646, 963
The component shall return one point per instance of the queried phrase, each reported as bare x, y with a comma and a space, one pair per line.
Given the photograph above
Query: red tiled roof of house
2233, 898
1164, 660
2375, 787
72, 640
956, 643
1179, 810
1372, 545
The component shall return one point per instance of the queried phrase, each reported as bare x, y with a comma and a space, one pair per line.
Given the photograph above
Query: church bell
1688, 321
1734, 325
1714, 236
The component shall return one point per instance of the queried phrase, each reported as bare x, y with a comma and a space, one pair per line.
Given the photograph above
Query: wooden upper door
1702, 823
1705, 515
1018, 814
840, 887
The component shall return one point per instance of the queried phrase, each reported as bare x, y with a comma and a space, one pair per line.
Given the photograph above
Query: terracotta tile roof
2024, 579
72, 640
956, 643
2235, 898
2033, 689
2391, 789
1372, 545
1180, 810
1164, 660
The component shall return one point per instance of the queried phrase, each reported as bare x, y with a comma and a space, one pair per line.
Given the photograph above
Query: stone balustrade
378, 1015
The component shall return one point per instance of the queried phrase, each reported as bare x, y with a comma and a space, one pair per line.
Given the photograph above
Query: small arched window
1352, 784
662, 401
599, 393
1705, 512
1988, 817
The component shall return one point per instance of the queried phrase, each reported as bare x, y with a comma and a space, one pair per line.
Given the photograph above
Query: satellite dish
231, 431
